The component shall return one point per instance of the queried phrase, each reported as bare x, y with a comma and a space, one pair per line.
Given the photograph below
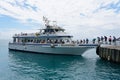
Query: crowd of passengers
46, 41
101, 39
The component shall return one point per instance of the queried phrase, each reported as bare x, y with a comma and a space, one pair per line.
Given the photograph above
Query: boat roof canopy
54, 27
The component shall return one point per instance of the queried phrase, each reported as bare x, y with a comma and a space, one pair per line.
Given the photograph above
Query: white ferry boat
51, 40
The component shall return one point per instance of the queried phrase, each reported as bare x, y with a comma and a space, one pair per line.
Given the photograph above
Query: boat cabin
49, 35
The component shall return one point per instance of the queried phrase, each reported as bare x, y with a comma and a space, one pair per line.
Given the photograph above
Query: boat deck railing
40, 34
24, 34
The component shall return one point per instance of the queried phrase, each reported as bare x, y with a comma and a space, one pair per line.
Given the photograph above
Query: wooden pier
110, 53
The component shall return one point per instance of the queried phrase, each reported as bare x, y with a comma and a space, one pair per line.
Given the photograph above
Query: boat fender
52, 46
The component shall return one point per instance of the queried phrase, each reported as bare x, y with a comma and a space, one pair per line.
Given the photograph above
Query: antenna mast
46, 21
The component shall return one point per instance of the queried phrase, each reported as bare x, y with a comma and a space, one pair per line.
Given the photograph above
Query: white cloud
86, 17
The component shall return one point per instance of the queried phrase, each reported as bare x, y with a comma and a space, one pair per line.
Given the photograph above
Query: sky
81, 18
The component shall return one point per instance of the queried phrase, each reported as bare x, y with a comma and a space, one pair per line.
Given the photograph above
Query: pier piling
110, 53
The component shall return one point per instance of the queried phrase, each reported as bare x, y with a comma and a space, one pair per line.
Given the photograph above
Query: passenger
43, 41
105, 39
98, 39
110, 39
114, 40
81, 41
53, 41
102, 38
73, 42
56, 41
68, 41
77, 42
87, 40
94, 40
48, 41
63, 42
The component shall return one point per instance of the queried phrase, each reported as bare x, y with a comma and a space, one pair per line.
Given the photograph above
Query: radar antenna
47, 22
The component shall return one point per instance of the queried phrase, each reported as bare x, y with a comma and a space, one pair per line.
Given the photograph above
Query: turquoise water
27, 66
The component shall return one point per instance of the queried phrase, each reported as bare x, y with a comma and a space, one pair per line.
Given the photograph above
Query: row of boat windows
42, 41
52, 30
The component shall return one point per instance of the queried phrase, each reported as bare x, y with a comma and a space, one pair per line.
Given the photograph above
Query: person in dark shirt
105, 37
114, 40
94, 41
87, 40
110, 39
102, 38
98, 39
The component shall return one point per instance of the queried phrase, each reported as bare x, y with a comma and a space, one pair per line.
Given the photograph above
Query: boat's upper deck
48, 32
52, 34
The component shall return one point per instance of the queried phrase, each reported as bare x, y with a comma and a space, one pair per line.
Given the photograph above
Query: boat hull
37, 48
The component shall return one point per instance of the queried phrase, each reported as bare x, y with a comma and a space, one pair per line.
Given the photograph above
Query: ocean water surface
28, 66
